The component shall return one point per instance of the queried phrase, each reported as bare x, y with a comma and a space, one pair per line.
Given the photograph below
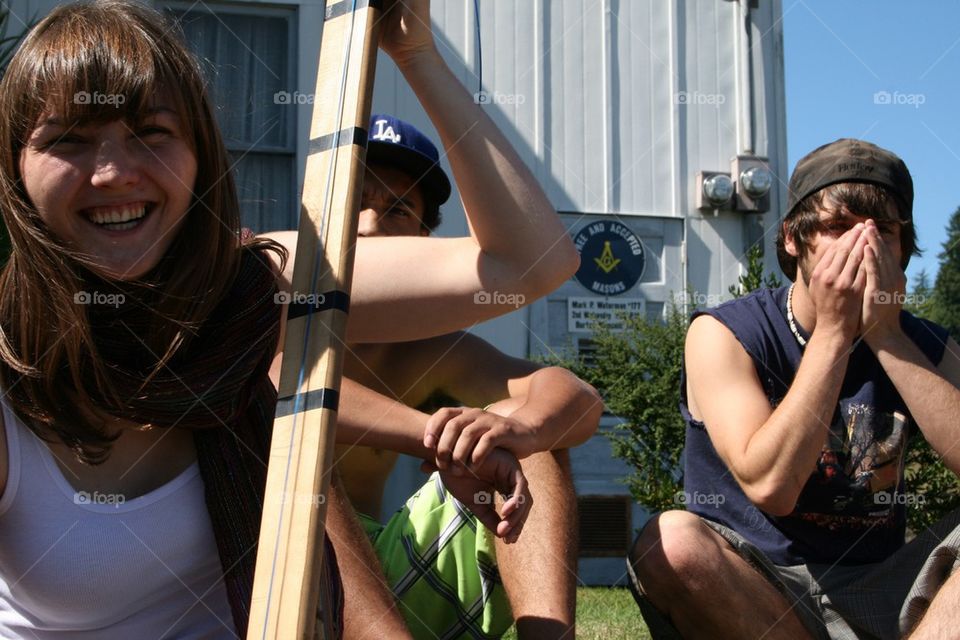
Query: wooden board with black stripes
286, 586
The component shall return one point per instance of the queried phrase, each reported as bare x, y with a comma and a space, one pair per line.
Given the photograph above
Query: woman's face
116, 191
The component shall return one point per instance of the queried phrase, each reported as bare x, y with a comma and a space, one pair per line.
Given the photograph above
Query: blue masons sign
611, 257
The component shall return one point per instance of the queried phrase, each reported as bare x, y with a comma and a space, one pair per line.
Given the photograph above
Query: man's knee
673, 549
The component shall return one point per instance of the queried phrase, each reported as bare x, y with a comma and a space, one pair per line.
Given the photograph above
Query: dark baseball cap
396, 143
850, 160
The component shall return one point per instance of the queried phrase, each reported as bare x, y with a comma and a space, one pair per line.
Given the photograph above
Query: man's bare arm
517, 242
771, 453
559, 412
398, 427
554, 409
371, 419
930, 393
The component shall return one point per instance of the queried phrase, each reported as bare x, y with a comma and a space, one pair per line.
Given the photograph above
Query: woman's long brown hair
121, 49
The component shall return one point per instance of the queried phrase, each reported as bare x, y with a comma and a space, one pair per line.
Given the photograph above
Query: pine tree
919, 302
946, 291
753, 278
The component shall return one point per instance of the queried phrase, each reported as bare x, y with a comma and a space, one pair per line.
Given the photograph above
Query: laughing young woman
137, 322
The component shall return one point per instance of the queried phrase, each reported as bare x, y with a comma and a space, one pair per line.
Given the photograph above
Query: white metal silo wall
711, 135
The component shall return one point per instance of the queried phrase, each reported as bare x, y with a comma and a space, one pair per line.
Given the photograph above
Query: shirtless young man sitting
546, 411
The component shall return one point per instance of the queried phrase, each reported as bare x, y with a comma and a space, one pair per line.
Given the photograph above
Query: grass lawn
605, 613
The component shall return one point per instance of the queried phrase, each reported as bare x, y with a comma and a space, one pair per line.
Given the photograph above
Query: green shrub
637, 371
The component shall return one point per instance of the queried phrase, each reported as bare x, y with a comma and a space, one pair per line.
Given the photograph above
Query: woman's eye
65, 140
152, 133
401, 213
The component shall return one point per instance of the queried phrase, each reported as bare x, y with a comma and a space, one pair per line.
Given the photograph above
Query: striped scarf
218, 386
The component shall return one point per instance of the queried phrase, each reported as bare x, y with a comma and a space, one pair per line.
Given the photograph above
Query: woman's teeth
118, 219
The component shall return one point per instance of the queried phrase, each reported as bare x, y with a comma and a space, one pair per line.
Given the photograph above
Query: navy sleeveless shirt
851, 510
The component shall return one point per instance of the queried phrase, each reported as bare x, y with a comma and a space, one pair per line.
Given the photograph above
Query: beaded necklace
790, 320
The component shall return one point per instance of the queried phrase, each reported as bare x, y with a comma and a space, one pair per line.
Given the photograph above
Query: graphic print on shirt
859, 471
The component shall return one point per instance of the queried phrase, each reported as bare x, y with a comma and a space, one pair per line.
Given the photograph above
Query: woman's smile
116, 191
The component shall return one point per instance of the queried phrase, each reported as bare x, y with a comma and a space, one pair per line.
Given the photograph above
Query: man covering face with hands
799, 404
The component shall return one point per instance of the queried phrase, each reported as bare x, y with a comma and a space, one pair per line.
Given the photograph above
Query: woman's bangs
87, 73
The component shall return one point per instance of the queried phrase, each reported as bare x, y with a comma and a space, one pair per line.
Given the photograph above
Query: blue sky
887, 71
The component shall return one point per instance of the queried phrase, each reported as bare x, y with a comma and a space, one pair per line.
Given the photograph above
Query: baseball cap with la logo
399, 144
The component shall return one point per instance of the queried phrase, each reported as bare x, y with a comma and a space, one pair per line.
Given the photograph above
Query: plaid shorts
440, 562
837, 602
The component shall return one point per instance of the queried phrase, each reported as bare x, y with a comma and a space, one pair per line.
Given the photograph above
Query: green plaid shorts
440, 562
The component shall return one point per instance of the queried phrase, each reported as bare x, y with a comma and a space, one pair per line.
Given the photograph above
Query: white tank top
86, 567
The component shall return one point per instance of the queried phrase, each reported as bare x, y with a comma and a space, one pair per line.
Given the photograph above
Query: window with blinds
249, 56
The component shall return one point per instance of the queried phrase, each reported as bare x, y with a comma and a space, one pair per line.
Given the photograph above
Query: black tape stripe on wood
353, 135
317, 399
